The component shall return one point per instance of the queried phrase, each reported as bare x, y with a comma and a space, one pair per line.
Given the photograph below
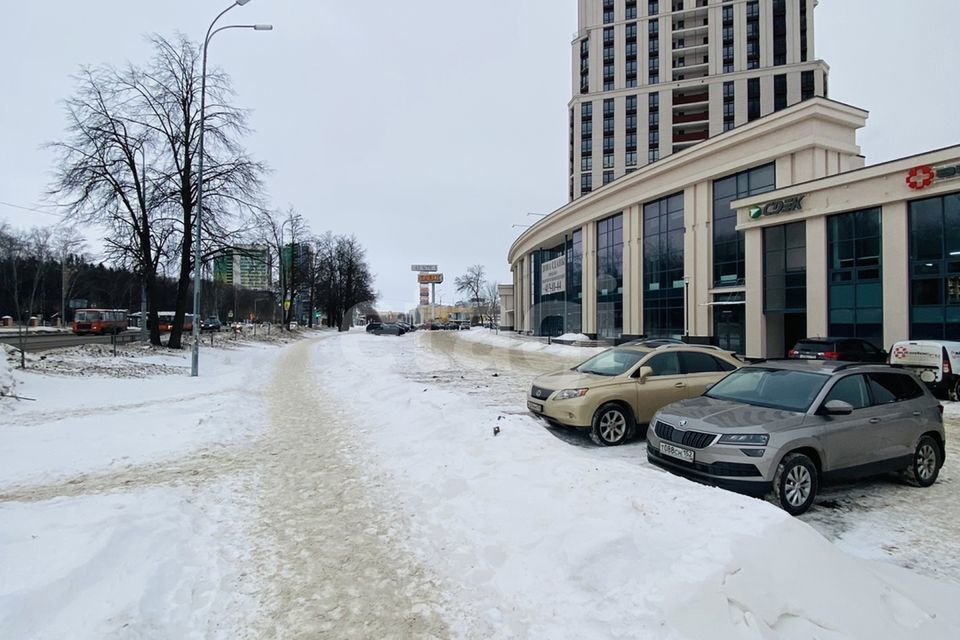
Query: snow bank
560, 541
90, 424
506, 340
574, 337
149, 564
6, 374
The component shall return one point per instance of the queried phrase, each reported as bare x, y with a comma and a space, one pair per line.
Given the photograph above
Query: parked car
935, 362
372, 327
211, 323
617, 391
844, 349
389, 328
786, 427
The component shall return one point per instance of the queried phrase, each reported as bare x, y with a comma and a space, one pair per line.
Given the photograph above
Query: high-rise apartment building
246, 266
651, 78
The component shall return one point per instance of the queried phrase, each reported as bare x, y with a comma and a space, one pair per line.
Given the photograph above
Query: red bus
165, 321
99, 321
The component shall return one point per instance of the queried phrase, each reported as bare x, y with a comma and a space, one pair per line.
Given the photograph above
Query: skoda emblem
683, 423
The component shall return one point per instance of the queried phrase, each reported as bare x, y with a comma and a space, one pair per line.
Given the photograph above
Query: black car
211, 323
373, 327
846, 349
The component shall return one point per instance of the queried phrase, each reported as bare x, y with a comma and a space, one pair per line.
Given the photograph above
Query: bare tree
167, 104
472, 283
344, 281
491, 293
285, 235
105, 170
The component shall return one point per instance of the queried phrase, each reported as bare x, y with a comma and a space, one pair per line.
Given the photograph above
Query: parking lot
880, 517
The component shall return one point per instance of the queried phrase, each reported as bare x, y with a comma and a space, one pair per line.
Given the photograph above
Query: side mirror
645, 372
838, 408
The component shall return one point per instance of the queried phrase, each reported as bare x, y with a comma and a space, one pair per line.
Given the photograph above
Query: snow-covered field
352, 486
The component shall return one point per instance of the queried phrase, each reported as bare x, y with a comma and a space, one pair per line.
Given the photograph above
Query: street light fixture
195, 360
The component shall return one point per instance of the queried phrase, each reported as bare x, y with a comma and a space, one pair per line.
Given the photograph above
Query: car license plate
676, 452
535, 406
805, 356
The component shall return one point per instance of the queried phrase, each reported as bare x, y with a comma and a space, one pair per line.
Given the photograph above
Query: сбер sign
774, 207
553, 276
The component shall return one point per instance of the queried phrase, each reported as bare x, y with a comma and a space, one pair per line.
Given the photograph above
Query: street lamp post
195, 361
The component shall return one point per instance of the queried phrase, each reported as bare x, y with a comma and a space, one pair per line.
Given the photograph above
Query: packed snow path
331, 557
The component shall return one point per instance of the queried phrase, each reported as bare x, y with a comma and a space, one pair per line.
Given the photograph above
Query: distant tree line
35, 271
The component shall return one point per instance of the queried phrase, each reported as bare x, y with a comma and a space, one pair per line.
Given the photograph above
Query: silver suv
786, 427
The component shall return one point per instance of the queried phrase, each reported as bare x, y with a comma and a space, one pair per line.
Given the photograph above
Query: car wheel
795, 483
926, 463
612, 425
953, 392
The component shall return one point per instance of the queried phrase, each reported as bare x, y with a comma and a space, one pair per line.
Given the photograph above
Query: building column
817, 298
755, 321
697, 257
589, 305
527, 305
895, 269
632, 271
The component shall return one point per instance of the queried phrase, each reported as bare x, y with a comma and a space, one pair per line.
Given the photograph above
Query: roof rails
699, 346
851, 365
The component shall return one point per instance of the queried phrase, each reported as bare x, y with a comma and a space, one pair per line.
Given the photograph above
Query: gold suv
615, 391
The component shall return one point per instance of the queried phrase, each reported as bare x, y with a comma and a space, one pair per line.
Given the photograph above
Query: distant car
843, 349
211, 323
389, 328
786, 427
372, 327
616, 392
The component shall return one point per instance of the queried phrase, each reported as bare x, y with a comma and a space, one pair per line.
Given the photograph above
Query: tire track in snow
330, 557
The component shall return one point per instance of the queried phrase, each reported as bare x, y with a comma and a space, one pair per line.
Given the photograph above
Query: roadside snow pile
558, 541
507, 340
131, 361
153, 563
6, 374
574, 337
93, 424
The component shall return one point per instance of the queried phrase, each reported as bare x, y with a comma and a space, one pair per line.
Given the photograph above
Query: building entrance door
729, 327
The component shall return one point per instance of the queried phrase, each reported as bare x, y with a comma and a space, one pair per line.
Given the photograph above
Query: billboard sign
424, 294
553, 276
424, 268
430, 278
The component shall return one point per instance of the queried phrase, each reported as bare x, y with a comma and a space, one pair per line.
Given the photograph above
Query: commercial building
245, 266
765, 231
756, 237
651, 78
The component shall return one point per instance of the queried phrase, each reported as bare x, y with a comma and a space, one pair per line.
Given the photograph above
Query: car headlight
566, 394
758, 439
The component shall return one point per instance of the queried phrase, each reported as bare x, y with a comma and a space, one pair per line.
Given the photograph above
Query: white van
936, 362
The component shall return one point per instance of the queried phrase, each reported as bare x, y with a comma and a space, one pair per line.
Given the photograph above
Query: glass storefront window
728, 262
785, 268
663, 291
553, 314
610, 277
854, 275
935, 268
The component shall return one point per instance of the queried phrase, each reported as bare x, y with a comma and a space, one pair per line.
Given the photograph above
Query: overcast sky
428, 128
